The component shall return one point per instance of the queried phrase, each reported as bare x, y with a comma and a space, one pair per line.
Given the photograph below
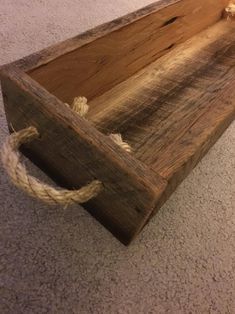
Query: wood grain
169, 96
48, 54
96, 67
75, 153
172, 111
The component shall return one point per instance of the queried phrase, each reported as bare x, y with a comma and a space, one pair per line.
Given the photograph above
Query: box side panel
72, 151
98, 66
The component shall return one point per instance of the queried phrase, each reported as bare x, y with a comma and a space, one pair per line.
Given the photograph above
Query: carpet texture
62, 261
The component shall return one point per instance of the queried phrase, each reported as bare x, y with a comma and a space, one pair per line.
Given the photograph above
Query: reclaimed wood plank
75, 153
173, 111
171, 97
96, 67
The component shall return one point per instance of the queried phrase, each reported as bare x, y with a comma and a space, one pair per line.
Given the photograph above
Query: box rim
57, 50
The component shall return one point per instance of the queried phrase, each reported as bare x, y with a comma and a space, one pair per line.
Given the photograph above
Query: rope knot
79, 105
117, 138
230, 11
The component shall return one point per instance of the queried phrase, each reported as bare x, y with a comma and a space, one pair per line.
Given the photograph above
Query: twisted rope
117, 138
81, 107
20, 177
230, 11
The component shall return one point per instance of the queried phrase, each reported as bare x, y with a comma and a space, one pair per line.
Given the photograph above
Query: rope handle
34, 187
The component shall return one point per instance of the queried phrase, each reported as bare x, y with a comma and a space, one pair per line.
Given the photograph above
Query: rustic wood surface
74, 153
162, 103
171, 110
105, 62
45, 56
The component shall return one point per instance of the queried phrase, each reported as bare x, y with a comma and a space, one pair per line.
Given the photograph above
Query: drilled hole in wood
170, 21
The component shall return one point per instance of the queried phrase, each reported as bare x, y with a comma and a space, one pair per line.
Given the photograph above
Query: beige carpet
62, 261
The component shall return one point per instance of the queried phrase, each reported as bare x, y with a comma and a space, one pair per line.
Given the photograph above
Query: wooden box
163, 77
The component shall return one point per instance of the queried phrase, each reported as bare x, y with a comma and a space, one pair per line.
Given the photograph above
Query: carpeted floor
62, 261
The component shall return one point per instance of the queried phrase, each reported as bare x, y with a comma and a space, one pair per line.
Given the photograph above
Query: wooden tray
163, 77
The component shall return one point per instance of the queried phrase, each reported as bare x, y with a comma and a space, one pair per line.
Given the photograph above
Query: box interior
158, 108
152, 80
